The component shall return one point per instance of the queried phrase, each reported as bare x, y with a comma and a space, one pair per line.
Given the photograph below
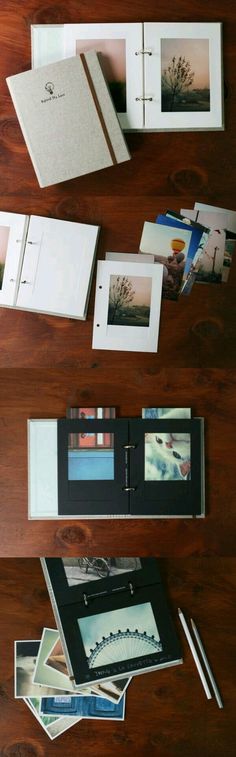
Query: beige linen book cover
68, 119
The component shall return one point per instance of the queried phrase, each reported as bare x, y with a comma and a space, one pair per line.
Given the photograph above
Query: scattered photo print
53, 726
91, 457
119, 635
169, 245
112, 690
185, 77
129, 300
167, 457
79, 570
230, 247
4, 236
84, 707
113, 63
26, 653
211, 261
56, 659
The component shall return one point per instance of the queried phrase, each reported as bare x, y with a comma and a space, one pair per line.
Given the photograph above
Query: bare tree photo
177, 78
185, 75
129, 300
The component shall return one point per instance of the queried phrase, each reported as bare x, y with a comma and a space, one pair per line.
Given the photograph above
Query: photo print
84, 706
185, 75
112, 57
129, 300
52, 725
120, 635
4, 237
167, 457
127, 306
26, 653
91, 457
80, 570
211, 261
169, 245
56, 659
166, 412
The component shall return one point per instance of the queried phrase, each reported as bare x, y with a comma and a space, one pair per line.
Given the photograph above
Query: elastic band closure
98, 108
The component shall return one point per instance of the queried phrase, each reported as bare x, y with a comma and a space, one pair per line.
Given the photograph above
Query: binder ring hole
97, 324
100, 286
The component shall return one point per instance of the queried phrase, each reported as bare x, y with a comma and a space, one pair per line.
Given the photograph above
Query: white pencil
205, 660
195, 654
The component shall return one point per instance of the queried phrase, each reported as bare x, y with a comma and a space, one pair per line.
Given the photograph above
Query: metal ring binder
143, 52
25, 282
85, 599
129, 446
29, 242
131, 588
144, 98
128, 488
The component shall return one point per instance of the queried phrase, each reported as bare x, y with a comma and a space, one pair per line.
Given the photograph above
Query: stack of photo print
194, 246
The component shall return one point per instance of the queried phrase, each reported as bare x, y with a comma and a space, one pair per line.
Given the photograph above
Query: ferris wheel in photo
122, 645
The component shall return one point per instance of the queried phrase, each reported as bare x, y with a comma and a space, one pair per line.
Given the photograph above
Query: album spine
21, 260
56, 615
203, 483
10, 84
110, 122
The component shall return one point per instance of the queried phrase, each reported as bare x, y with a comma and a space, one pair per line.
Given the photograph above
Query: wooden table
47, 363
167, 712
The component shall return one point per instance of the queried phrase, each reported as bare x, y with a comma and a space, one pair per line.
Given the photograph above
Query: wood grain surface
167, 713
47, 363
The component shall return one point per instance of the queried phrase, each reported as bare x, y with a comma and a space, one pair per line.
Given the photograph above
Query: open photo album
94, 465
46, 265
113, 617
162, 76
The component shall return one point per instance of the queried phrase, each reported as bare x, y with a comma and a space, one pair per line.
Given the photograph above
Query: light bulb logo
49, 87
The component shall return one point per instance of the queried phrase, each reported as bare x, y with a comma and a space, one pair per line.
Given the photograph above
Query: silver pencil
205, 660
195, 654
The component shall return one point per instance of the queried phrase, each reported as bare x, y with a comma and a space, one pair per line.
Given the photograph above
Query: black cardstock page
172, 498
128, 493
92, 497
108, 596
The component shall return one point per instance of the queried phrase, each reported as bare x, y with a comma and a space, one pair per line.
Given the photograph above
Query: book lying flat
68, 119
162, 76
136, 467
112, 625
46, 264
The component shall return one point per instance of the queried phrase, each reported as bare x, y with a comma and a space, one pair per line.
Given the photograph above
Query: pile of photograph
113, 622
177, 250
194, 246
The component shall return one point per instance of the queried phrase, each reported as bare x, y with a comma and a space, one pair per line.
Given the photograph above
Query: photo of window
93, 461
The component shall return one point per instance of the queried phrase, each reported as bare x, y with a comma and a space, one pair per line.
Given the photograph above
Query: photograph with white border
109, 335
